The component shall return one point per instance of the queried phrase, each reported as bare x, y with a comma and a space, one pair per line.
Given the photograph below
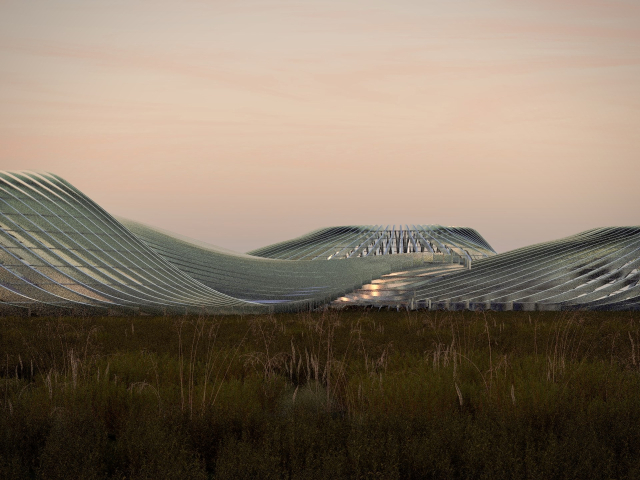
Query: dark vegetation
353, 394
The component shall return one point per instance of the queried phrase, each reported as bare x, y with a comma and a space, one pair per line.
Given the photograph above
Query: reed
351, 394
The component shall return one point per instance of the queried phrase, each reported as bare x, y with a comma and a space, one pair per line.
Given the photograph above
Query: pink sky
245, 123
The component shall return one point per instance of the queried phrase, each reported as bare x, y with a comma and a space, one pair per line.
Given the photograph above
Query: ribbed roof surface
596, 269
60, 251
335, 243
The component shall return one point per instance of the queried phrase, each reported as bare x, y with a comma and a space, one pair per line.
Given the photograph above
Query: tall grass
352, 394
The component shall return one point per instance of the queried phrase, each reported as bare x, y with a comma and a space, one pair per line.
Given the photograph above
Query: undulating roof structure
60, 252
336, 243
598, 269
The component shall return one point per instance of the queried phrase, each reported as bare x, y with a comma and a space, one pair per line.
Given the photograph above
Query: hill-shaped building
60, 252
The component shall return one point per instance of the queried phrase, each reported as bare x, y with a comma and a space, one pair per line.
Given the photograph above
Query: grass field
351, 394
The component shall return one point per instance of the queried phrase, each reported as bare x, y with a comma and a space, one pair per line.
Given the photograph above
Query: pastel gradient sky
248, 122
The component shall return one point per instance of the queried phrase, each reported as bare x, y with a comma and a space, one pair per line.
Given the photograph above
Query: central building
354, 241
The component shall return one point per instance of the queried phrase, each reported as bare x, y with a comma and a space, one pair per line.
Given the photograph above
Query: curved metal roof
59, 250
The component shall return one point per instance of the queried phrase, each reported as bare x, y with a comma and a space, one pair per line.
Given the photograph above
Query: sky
249, 122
